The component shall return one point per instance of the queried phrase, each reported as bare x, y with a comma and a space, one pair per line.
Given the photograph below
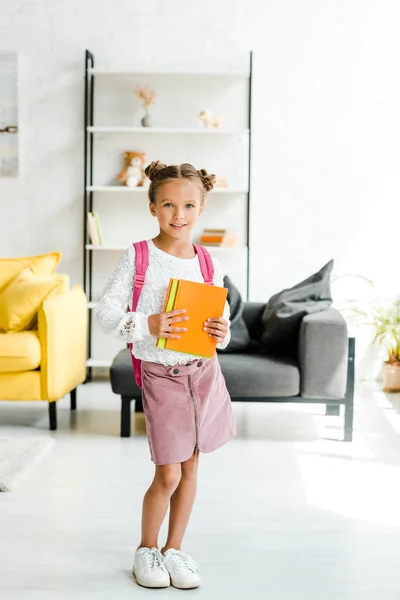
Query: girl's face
177, 207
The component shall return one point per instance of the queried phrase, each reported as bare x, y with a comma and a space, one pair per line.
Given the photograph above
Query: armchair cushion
22, 297
19, 351
285, 311
40, 263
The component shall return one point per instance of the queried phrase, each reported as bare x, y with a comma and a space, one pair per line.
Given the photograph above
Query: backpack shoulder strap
141, 264
206, 264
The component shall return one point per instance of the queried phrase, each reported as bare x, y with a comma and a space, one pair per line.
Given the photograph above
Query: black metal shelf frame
88, 136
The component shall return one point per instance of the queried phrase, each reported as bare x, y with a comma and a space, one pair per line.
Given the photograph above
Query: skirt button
176, 371
200, 364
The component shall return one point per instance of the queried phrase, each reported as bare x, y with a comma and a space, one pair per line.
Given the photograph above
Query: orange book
218, 240
201, 302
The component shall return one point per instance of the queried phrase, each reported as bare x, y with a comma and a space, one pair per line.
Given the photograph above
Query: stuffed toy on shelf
132, 175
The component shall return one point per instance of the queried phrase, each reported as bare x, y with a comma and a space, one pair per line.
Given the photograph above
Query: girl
186, 404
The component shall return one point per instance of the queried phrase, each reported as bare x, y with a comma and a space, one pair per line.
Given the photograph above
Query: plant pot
391, 377
146, 121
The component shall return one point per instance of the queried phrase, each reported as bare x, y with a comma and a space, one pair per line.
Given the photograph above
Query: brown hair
160, 174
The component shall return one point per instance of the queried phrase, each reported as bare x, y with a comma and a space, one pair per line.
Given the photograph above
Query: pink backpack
142, 262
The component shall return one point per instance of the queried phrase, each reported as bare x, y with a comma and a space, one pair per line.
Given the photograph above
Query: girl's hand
217, 328
160, 324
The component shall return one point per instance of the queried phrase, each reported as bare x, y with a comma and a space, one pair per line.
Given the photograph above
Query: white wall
326, 150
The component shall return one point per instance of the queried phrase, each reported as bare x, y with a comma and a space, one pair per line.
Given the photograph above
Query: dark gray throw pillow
284, 311
240, 338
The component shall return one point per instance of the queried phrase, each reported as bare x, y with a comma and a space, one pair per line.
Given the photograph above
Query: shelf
163, 130
98, 362
211, 249
222, 74
140, 190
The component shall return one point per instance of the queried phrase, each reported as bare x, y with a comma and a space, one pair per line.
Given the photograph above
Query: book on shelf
201, 301
218, 237
97, 219
94, 229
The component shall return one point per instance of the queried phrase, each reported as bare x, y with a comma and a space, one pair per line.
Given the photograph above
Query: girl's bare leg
155, 503
182, 503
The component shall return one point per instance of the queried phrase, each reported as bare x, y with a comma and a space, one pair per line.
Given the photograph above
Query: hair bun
207, 180
153, 169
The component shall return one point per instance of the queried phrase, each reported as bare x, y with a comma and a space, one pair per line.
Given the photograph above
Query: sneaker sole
146, 585
186, 587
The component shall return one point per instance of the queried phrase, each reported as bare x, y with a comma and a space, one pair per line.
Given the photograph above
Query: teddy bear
210, 120
133, 174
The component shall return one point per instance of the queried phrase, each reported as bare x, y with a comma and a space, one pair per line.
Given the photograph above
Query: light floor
281, 513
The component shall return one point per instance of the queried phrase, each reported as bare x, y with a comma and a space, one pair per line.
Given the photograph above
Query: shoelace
154, 559
183, 561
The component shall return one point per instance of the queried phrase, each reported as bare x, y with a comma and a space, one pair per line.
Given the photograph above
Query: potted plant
146, 97
385, 320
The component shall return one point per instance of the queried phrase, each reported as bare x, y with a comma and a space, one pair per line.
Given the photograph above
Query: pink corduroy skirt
185, 407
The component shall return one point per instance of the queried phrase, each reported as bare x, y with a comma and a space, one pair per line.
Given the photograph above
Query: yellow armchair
47, 362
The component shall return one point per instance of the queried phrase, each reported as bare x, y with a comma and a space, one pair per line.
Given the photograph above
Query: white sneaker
183, 570
149, 568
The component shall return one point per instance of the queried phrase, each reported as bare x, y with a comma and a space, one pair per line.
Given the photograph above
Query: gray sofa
321, 370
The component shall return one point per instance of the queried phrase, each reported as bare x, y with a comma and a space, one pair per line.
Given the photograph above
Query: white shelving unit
177, 136
211, 249
98, 362
145, 74
120, 189
167, 131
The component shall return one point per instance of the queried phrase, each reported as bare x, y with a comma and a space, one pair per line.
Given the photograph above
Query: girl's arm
111, 312
219, 281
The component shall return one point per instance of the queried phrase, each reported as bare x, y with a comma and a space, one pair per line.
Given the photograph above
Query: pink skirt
186, 406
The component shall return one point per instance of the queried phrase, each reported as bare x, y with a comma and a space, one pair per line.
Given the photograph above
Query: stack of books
217, 237
94, 229
201, 302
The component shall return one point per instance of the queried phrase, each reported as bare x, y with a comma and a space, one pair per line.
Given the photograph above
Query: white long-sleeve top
111, 311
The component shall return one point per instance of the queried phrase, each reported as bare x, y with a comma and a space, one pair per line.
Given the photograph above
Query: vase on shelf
146, 121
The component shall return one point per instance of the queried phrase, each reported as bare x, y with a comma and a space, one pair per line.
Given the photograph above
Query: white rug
18, 456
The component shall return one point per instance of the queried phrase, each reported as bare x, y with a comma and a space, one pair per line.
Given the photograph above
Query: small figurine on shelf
220, 182
209, 120
146, 97
133, 173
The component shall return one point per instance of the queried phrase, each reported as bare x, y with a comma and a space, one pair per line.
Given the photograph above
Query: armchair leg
332, 410
53, 415
126, 416
73, 399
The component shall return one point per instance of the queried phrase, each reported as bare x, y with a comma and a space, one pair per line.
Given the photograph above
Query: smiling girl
186, 404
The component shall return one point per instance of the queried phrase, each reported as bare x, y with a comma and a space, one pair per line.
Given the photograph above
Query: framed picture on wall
8, 114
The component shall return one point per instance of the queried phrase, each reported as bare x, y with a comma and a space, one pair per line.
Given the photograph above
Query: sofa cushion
40, 263
284, 311
260, 376
21, 298
19, 351
240, 338
246, 375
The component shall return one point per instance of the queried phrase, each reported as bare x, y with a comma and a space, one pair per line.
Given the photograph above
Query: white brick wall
326, 153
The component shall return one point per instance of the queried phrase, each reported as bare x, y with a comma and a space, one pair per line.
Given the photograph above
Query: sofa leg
332, 410
73, 399
126, 416
348, 421
53, 415
349, 405
138, 406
